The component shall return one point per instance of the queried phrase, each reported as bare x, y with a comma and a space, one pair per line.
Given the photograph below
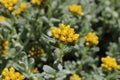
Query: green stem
33, 77
49, 13
61, 45
83, 58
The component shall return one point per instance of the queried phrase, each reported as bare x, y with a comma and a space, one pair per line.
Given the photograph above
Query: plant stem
83, 58
61, 54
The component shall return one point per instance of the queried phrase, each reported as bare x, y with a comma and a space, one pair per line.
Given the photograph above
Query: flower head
21, 8
91, 38
75, 77
109, 63
23, 5
65, 33
9, 4
76, 9
2, 18
11, 74
3, 47
36, 2
35, 70
36, 51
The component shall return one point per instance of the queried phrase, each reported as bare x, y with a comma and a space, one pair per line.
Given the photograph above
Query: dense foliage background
28, 45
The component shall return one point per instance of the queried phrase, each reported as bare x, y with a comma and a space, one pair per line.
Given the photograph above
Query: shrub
59, 39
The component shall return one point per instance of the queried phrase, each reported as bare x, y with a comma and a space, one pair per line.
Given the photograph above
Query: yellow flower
5, 44
91, 38
76, 9
11, 74
15, 1
2, 18
36, 2
36, 51
9, 4
35, 70
17, 11
109, 63
21, 8
23, 5
65, 33
75, 77
4, 47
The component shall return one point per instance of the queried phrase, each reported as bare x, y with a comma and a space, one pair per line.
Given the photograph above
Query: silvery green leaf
47, 76
54, 20
62, 74
5, 23
60, 67
31, 63
97, 77
56, 52
49, 69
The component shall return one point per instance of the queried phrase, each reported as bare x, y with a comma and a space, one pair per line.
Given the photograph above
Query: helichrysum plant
59, 40
64, 34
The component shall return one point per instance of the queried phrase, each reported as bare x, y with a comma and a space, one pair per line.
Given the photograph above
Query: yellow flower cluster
36, 51
109, 63
35, 70
65, 33
91, 38
21, 8
75, 77
2, 18
3, 47
10, 74
76, 9
9, 4
36, 2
